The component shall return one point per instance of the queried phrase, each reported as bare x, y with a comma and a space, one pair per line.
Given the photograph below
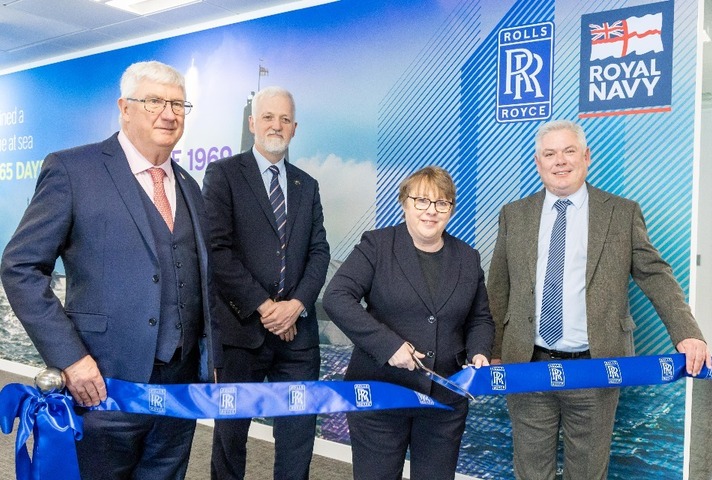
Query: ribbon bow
50, 418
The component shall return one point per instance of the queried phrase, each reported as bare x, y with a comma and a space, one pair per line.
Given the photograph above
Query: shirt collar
138, 162
578, 198
263, 164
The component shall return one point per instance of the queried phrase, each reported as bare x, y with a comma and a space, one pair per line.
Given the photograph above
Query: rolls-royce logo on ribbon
667, 369
556, 375
626, 61
524, 72
363, 395
157, 400
297, 398
613, 372
498, 378
228, 401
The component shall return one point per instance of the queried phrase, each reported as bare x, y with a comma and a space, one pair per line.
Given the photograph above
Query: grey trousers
586, 419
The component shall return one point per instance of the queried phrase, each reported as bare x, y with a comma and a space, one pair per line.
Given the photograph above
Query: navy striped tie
551, 325
276, 198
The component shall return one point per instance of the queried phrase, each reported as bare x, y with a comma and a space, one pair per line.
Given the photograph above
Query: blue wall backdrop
383, 88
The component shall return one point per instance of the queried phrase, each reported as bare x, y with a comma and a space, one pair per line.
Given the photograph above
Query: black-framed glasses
157, 105
423, 203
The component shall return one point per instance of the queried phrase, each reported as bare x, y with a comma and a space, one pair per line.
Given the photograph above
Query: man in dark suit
130, 227
558, 287
271, 256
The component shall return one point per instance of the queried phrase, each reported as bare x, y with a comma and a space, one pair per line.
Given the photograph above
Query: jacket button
278, 253
152, 322
431, 319
155, 278
179, 264
178, 326
430, 354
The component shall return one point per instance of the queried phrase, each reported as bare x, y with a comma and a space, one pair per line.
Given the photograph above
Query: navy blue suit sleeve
28, 262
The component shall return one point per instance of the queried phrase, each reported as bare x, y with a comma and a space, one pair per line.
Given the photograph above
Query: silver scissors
437, 378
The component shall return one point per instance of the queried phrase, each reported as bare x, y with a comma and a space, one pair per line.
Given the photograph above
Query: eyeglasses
157, 105
422, 203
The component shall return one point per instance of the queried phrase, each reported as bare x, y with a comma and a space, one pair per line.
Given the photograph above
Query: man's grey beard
275, 146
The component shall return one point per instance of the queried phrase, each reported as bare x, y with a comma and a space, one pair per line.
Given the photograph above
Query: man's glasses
157, 105
422, 203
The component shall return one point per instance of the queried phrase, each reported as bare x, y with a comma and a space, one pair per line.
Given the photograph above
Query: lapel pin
297, 182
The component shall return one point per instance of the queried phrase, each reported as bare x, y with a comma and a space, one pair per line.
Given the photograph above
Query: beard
275, 145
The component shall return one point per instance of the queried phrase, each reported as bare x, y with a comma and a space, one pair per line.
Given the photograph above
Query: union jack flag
606, 31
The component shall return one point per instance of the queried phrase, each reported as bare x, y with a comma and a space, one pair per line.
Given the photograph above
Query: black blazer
245, 246
450, 329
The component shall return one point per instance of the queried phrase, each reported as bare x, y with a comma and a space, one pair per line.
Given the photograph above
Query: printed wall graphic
626, 60
384, 88
524, 72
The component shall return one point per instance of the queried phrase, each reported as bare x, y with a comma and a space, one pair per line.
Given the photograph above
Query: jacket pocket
89, 322
627, 323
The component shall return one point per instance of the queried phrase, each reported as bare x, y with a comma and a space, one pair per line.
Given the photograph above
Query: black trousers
123, 446
380, 440
293, 435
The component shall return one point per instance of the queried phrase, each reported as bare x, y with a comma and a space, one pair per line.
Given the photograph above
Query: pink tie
159, 196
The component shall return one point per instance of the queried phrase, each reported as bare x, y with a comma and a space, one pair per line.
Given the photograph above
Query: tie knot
561, 205
274, 169
157, 174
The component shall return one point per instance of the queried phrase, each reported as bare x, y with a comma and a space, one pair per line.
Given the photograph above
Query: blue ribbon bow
51, 420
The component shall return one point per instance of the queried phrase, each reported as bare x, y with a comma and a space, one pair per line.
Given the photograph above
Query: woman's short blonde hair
433, 177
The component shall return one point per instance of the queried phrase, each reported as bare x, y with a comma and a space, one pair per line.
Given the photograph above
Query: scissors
437, 378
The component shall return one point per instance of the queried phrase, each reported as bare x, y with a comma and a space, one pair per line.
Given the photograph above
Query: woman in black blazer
425, 297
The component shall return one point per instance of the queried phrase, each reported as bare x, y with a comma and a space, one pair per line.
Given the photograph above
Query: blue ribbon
573, 374
51, 420
248, 400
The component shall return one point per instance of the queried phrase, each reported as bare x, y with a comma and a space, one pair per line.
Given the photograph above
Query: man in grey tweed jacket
606, 242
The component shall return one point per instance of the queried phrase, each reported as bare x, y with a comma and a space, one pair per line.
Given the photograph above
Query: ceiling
35, 31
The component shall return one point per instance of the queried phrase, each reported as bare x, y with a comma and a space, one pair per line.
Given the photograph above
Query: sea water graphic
649, 424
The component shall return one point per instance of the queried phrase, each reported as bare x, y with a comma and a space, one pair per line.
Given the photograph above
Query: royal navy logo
498, 378
626, 61
424, 399
613, 372
524, 72
363, 395
297, 398
157, 400
667, 369
228, 401
556, 375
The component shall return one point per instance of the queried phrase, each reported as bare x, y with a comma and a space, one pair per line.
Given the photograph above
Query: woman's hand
403, 358
478, 361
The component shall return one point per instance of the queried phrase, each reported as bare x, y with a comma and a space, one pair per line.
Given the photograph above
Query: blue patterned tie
276, 198
551, 325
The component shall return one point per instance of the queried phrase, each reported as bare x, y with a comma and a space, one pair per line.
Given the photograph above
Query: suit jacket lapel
294, 195
530, 247
600, 212
253, 177
407, 258
128, 188
192, 210
449, 273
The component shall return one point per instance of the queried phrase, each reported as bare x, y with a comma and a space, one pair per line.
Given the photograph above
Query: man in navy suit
129, 225
271, 256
